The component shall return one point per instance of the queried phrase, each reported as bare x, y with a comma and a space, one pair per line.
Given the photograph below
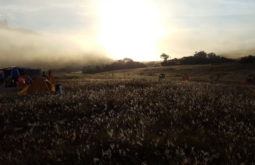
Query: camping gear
51, 77
161, 77
12, 74
29, 79
39, 86
59, 89
15, 73
21, 81
185, 77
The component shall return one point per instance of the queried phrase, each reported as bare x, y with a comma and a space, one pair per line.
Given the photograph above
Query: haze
85, 31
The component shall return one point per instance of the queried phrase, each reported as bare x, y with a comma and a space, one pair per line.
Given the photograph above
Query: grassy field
129, 117
228, 74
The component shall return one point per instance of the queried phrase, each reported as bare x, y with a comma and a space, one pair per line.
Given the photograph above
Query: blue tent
12, 74
15, 73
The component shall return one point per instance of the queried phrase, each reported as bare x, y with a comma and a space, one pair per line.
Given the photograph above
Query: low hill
126, 63
232, 73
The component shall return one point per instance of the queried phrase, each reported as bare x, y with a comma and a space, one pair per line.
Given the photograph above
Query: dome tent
39, 86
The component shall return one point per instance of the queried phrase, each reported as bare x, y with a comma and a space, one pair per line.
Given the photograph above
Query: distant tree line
247, 59
126, 63
202, 57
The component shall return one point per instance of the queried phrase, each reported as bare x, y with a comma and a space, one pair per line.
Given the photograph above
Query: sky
138, 29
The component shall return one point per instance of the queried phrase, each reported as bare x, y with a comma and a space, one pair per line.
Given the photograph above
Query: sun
130, 28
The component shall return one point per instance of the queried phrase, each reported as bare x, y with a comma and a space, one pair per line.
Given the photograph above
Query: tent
11, 75
39, 86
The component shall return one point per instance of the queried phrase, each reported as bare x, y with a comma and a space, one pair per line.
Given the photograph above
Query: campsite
130, 116
127, 82
17, 80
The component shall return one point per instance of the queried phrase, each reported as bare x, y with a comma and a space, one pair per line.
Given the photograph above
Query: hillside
223, 73
129, 117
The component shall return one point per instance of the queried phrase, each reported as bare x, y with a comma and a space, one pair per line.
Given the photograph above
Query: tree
247, 59
201, 54
126, 60
164, 56
211, 55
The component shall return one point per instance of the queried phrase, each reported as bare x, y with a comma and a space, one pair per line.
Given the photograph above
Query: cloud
62, 34
47, 15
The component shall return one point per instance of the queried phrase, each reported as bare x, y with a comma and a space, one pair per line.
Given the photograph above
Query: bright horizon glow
137, 29
130, 28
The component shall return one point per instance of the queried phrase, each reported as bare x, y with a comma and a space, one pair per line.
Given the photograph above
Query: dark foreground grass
133, 122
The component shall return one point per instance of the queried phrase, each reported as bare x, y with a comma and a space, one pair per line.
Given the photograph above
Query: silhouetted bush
126, 63
199, 58
247, 59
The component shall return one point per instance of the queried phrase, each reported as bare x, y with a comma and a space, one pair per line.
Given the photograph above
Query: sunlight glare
130, 28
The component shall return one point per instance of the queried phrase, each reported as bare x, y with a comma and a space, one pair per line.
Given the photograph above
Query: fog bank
30, 49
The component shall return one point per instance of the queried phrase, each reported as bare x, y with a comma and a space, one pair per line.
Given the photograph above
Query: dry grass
130, 122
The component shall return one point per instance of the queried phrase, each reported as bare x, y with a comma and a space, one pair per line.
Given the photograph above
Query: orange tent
39, 86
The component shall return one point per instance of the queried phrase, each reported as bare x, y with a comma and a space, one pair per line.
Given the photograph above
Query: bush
199, 58
118, 65
247, 59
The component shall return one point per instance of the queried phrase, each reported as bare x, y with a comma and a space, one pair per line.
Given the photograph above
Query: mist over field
20, 47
